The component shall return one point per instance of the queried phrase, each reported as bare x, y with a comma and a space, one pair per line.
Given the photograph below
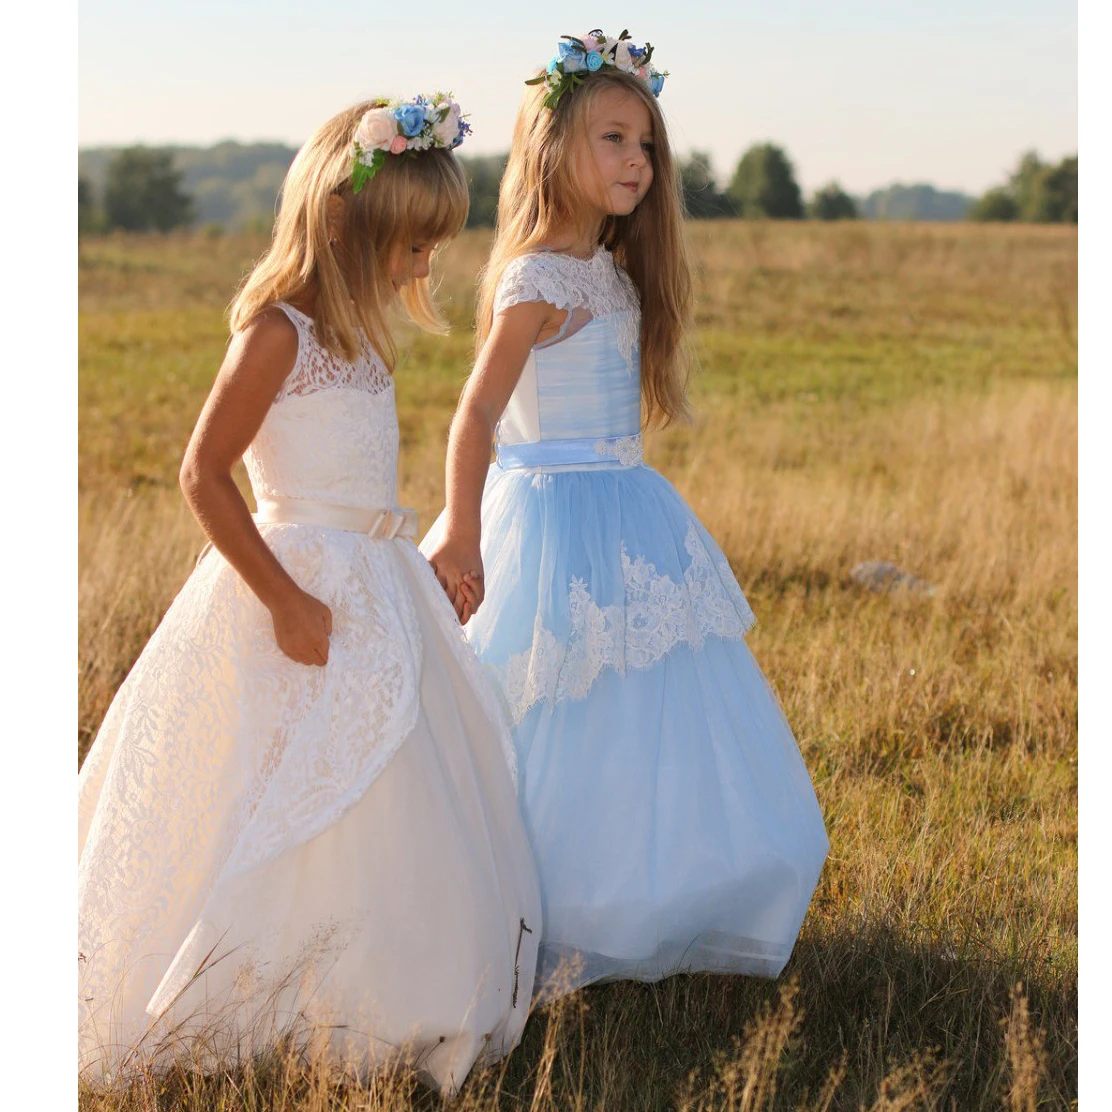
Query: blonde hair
541, 196
414, 198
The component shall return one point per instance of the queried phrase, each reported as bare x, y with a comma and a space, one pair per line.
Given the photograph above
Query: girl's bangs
438, 201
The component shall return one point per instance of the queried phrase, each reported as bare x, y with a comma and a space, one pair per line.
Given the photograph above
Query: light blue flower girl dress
671, 815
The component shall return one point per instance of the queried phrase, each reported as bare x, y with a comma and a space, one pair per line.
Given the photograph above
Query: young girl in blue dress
671, 815
298, 818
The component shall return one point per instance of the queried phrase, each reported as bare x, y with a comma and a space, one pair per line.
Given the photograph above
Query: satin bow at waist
378, 523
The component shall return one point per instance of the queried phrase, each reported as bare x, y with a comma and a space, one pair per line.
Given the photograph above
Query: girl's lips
630, 185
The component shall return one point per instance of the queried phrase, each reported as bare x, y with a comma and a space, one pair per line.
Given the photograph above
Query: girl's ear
334, 217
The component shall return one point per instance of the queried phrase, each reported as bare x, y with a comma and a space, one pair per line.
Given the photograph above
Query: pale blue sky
864, 91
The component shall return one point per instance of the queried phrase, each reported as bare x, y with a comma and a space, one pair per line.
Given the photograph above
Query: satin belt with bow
585, 452
377, 524
384, 524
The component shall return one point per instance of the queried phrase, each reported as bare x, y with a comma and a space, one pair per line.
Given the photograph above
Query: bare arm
258, 361
482, 403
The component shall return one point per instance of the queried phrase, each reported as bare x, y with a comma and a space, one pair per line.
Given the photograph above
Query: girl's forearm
223, 514
469, 443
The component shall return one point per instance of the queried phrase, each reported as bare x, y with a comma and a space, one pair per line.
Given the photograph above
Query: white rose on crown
448, 128
376, 130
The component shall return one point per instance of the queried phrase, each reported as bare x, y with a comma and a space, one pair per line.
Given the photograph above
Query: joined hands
459, 570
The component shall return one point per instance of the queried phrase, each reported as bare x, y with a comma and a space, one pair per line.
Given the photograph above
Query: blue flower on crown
464, 129
411, 118
400, 127
569, 57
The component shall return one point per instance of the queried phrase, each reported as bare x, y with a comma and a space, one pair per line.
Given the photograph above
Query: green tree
1027, 185
484, 176
144, 192
702, 198
764, 185
87, 217
1060, 189
996, 204
832, 202
1036, 192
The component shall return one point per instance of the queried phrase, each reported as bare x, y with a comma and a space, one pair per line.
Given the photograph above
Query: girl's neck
580, 242
305, 301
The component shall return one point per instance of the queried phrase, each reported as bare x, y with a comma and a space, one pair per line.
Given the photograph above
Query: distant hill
914, 202
234, 184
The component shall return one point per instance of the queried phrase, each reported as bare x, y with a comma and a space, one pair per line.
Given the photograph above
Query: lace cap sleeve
536, 278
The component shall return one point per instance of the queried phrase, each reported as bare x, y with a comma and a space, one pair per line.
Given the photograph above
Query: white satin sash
386, 524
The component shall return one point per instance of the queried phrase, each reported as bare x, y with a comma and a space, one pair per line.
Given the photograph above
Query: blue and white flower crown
578, 58
397, 126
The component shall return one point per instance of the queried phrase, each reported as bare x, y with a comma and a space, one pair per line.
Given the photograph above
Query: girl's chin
622, 202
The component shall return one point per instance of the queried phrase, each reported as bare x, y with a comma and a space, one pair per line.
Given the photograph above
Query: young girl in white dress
671, 815
299, 816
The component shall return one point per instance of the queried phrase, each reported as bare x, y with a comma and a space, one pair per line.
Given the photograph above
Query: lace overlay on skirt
656, 615
222, 767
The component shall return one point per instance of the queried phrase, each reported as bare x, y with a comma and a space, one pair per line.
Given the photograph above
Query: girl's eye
613, 136
647, 147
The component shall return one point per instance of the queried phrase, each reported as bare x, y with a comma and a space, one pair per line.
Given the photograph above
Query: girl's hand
471, 592
451, 561
302, 627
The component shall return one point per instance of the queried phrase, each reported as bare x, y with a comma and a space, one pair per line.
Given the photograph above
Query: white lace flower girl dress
671, 815
331, 853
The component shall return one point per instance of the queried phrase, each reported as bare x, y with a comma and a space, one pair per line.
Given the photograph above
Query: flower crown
397, 126
576, 58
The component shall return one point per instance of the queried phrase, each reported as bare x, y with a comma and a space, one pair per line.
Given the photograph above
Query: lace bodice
332, 433
585, 381
597, 286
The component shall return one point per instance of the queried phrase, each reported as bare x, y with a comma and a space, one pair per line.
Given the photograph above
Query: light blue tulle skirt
672, 818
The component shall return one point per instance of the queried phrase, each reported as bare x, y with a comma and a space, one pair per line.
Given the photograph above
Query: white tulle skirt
333, 855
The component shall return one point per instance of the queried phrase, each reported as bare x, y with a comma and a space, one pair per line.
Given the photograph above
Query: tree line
144, 189
1036, 192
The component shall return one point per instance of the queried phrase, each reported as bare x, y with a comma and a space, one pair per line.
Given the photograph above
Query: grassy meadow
863, 392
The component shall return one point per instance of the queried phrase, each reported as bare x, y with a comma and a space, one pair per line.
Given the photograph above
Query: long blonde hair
541, 196
414, 198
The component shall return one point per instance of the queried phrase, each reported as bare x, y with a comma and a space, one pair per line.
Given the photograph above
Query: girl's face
617, 152
406, 267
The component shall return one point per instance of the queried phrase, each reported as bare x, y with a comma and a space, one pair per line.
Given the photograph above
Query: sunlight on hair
541, 196
418, 198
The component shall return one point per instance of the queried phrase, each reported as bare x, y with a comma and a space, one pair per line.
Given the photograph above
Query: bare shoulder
266, 349
271, 334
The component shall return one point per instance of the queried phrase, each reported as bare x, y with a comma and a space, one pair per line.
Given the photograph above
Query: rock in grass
879, 576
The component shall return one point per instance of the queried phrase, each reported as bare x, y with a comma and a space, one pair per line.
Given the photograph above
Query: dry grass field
863, 392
